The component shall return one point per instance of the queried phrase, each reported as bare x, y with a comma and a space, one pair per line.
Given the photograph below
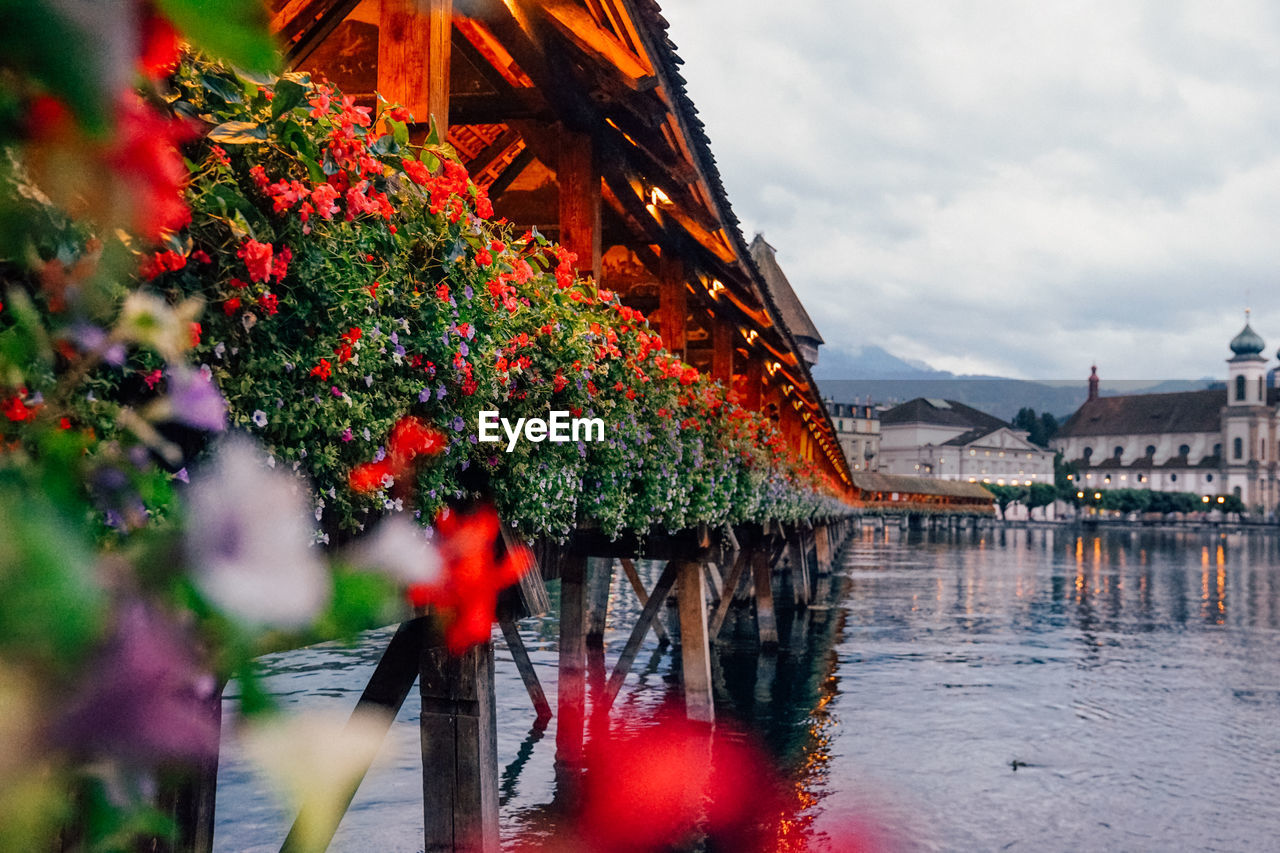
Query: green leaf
234, 30
237, 133
225, 89
431, 161
401, 132
314, 171
288, 95
433, 136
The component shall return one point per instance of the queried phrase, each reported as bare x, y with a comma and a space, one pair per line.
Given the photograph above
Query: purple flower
463, 349
399, 350
337, 392
182, 475
424, 395
458, 424
91, 338
145, 699
194, 401
441, 391
467, 292
346, 434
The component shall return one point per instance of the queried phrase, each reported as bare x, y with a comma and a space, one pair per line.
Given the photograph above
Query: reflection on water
1019, 689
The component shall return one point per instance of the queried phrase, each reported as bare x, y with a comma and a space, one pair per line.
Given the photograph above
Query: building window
1106, 479
1151, 450
1142, 478
1184, 450
1117, 453
1262, 448
1208, 478
1217, 449
1237, 447
1088, 453
1173, 478
1239, 389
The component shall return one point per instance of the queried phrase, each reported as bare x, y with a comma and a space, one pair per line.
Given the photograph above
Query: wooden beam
657, 599
525, 667
695, 648
578, 176
727, 594
599, 579
766, 621
581, 29
571, 692
629, 568
722, 334
673, 302
414, 42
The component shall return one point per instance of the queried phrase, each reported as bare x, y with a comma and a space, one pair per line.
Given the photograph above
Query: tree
1005, 495
1040, 429
1040, 494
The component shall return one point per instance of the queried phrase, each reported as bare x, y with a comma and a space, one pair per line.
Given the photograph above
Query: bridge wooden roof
523, 75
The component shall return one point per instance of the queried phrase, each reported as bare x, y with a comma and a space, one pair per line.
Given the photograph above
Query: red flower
467, 594
269, 303
231, 306
145, 156
373, 289
371, 476
483, 258
257, 258
410, 438
196, 331
161, 262
16, 410
322, 370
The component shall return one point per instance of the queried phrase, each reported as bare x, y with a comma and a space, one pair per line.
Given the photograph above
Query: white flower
149, 320
399, 548
260, 417
248, 541
316, 759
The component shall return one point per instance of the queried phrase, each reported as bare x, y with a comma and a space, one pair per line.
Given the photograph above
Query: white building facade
948, 440
858, 431
1213, 442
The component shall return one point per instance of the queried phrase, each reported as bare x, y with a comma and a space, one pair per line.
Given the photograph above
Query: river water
1048, 690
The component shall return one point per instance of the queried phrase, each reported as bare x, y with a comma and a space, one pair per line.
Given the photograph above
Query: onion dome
1248, 342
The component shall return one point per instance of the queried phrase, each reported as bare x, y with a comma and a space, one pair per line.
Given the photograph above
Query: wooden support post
722, 333
599, 578
656, 600
822, 549
459, 748
525, 667
386, 691
766, 621
695, 649
414, 40
578, 179
629, 568
673, 301
714, 581
571, 691
799, 569
728, 594
752, 382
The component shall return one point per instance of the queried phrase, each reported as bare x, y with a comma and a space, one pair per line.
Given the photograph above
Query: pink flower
257, 258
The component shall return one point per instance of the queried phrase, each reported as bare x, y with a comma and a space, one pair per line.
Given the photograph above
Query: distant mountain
875, 375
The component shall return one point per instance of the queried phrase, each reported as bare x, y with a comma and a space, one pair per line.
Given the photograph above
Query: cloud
1006, 187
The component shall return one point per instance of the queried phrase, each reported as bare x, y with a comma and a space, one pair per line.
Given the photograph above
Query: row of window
1237, 450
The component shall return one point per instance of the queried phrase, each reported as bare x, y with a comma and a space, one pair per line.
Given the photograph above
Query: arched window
1088, 453
1117, 453
1239, 389
1184, 450
1208, 478
1237, 447
1151, 450
1106, 479
1173, 478
1236, 492
1217, 449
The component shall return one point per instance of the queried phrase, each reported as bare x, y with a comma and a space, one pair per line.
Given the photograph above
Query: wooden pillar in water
822, 548
695, 646
599, 577
459, 748
414, 40
571, 696
762, 574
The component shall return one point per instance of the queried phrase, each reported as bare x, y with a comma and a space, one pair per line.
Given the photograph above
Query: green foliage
1040, 428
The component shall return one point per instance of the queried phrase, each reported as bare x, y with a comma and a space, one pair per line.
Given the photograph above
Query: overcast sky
1006, 187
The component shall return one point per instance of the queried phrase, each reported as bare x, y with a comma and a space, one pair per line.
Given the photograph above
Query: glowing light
657, 196
1205, 499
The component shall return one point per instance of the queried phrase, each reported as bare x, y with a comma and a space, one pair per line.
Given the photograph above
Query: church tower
1246, 369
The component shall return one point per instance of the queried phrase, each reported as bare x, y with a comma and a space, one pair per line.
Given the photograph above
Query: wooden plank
414, 44
571, 691
578, 178
799, 569
386, 691
728, 593
695, 647
581, 29
822, 547
714, 581
599, 578
673, 301
766, 620
459, 748
629, 568
656, 601
541, 707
